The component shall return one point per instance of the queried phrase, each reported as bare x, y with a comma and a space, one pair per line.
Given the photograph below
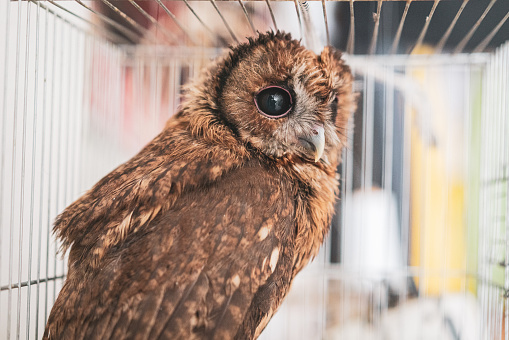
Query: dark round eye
273, 101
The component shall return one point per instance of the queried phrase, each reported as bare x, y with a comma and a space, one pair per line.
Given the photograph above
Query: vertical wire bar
78, 108
3, 139
461, 45
483, 206
447, 33
383, 302
167, 108
503, 71
499, 168
247, 16
50, 165
213, 2
359, 272
33, 175
499, 142
346, 189
67, 140
158, 92
122, 94
271, 13
298, 17
405, 183
85, 107
350, 187
149, 81
141, 91
77, 90
171, 78
364, 137
368, 132
498, 172
426, 26
13, 168
101, 113
490, 36
177, 22
479, 280
177, 65
23, 169
350, 46
43, 149
482, 193
106, 97
444, 278
368, 128
153, 92
397, 38
72, 113
105, 93
324, 10
389, 128
492, 206
493, 220
346, 182
171, 38
113, 84
467, 175
387, 170
58, 186
422, 271
504, 89
109, 102
374, 38
324, 290
427, 139
488, 214
473, 154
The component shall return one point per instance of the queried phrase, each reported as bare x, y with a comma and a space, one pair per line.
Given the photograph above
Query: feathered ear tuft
340, 78
334, 66
330, 55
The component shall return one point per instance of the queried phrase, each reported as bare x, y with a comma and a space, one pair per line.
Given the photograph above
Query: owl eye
273, 101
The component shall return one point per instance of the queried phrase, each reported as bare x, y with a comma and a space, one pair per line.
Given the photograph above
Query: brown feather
201, 233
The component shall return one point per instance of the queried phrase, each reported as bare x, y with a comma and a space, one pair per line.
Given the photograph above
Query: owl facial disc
313, 143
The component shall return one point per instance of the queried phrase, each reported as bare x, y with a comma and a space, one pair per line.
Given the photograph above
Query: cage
418, 248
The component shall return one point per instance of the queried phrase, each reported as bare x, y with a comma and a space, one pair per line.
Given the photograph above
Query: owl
200, 235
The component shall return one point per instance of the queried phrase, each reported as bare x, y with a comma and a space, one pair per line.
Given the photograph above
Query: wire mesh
361, 27
83, 90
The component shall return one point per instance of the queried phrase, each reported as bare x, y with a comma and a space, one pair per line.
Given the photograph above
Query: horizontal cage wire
418, 245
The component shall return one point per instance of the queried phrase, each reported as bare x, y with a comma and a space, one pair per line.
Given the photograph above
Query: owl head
278, 98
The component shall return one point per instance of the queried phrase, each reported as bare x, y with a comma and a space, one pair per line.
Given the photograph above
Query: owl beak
314, 143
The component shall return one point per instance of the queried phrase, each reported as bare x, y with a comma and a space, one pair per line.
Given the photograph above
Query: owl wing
215, 265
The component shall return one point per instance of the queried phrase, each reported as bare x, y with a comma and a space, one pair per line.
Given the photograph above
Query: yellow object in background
438, 180
437, 223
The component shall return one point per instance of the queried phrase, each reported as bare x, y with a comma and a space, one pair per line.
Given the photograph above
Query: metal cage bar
67, 87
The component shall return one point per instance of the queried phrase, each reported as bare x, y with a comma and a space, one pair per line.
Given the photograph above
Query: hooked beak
314, 142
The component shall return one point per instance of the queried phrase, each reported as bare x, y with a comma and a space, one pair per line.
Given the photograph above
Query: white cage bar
83, 90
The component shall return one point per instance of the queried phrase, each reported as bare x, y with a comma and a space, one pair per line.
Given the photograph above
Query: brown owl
201, 234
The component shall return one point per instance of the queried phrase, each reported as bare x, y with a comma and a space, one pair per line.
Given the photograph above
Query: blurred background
418, 246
